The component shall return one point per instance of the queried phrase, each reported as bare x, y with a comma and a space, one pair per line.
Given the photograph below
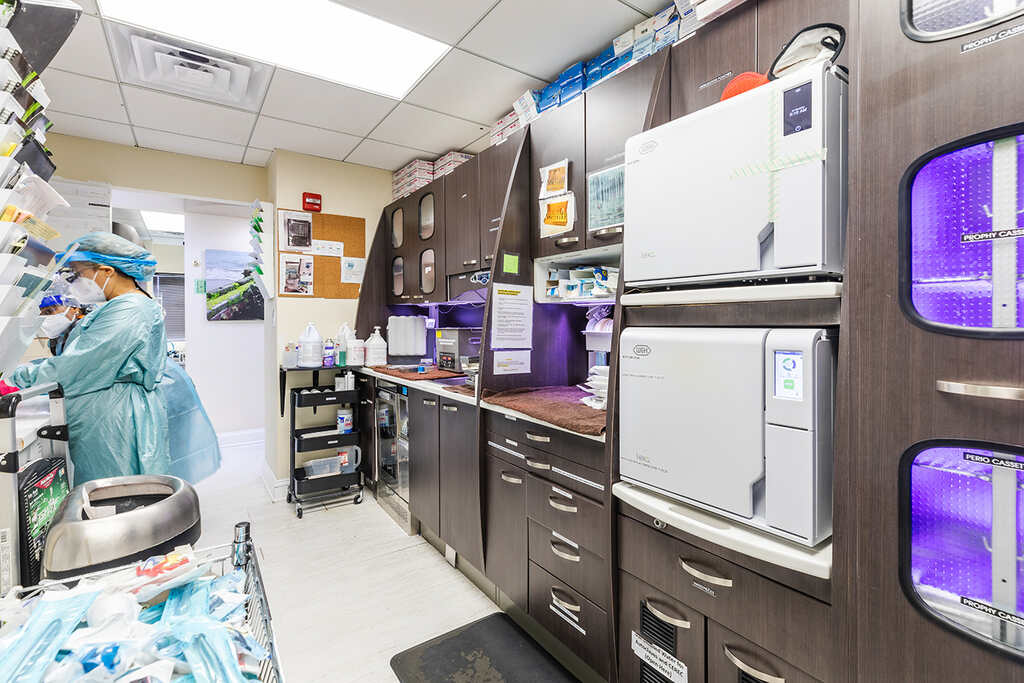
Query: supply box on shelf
585, 277
505, 127
411, 177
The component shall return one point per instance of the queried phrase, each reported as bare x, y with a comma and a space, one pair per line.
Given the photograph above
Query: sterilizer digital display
796, 103
963, 538
789, 375
963, 224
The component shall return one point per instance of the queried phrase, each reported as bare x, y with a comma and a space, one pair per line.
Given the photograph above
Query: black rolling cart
306, 488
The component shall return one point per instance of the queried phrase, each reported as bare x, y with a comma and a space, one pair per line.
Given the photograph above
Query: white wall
226, 358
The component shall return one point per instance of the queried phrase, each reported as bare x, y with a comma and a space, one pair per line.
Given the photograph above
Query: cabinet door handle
470, 263
554, 502
451, 409
488, 258
563, 603
568, 557
537, 464
429, 403
606, 233
366, 402
678, 622
538, 438
749, 670
566, 242
980, 390
508, 478
697, 574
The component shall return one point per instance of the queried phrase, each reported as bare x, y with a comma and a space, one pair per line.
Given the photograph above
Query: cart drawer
578, 449
310, 486
322, 443
731, 656
574, 564
782, 620
571, 515
578, 623
324, 398
565, 473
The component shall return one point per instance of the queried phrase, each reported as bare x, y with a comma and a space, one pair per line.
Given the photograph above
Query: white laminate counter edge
421, 385
523, 416
816, 562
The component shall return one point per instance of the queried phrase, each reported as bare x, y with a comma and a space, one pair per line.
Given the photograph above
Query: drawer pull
537, 464
471, 262
568, 557
980, 390
749, 670
451, 409
429, 403
564, 604
553, 502
510, 442
508, 478
674, 621
538, 438
697, 574
607, 233
566, 242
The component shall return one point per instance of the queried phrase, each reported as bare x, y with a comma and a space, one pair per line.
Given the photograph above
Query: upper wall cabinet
779, 20
462, 203
558, 135
704, 64
496, 164
417, 246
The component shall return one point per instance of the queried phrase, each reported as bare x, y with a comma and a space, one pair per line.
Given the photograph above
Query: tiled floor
347, 588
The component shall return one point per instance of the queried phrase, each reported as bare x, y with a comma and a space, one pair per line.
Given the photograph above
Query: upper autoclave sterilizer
738, 421
753, 187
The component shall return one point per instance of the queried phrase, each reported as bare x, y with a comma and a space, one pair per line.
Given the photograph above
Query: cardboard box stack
411, 177
449, 162
505, 126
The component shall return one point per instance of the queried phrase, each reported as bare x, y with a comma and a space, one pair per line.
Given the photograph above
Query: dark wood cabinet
496, 163
462, 207
733, 658
560, 134
779, 20
424, 459
460, 481
705, 63
505, 553
581, 625
417, 263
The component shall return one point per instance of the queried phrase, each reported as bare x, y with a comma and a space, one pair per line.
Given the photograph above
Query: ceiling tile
444, 20
160, 111
385, 155
86, 51
651, 7
479, 145
471, 87
257, 157
301, 98
85, 96
94, 129
274, 133
419, 128
183, 144
559, 33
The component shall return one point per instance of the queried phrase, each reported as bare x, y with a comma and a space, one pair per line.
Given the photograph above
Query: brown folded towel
557, 405
432, 373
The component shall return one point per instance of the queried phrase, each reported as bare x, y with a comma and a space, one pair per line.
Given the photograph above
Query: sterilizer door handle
674, 621
697, 574
980, 390
749, 670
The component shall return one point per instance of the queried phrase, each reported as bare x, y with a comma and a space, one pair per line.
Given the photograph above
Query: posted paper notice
512, 362
512, 313
659, 660
328, 248
352, 270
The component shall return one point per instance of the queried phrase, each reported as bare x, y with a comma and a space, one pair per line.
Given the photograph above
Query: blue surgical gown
113, 359
194, 449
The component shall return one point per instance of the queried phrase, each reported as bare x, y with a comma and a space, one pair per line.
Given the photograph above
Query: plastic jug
350, 458
356, 354
311, 348
345, 333
376, 349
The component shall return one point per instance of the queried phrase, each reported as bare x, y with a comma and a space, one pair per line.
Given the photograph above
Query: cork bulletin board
327, 282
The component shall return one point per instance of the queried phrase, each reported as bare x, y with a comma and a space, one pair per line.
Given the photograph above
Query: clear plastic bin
323, 467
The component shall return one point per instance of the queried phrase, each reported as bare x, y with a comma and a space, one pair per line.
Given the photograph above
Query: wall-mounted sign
311, 202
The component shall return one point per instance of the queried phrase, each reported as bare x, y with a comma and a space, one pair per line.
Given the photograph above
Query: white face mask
54, 325
87, 291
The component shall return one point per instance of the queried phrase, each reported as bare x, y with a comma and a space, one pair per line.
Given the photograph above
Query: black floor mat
491, 650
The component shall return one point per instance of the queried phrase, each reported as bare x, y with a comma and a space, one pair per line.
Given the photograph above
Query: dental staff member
111, 363
60, 312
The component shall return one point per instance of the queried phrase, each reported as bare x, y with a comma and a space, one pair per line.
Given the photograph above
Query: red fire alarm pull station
311, 202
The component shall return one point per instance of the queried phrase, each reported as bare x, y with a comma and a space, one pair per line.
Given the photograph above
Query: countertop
428, 386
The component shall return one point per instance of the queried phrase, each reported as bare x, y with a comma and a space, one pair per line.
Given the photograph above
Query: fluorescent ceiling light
317, 37
160, 221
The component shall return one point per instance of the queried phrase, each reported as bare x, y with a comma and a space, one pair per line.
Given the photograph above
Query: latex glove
6, 388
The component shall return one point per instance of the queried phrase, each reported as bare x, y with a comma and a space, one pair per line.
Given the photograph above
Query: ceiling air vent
175, 66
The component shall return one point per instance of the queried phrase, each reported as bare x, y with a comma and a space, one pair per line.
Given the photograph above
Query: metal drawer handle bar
429, 403
566, 241
980, 390
697, 574
553, 502
749, 670
506, 477
538, 465
568, 557
538, 438
473, 262
607, 232
451, 409
572, 607
674, 621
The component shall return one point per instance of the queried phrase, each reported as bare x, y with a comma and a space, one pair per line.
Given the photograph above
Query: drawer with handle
567, 474
732, 657
578, 449
564, 558
578, 623
784, 621
570, 514
650, 619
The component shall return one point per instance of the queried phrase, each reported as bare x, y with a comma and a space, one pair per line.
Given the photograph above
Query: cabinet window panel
962, 224
427, 216
397, 227
929, 20
398, 276
169, 291
961, 534
428, 272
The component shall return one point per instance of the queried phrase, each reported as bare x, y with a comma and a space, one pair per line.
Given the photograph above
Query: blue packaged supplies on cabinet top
549, 97
574, 72
667, 35
570, 91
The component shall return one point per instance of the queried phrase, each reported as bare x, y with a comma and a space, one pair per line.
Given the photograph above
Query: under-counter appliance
392, 407
750, 188
738, 421
453, 343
